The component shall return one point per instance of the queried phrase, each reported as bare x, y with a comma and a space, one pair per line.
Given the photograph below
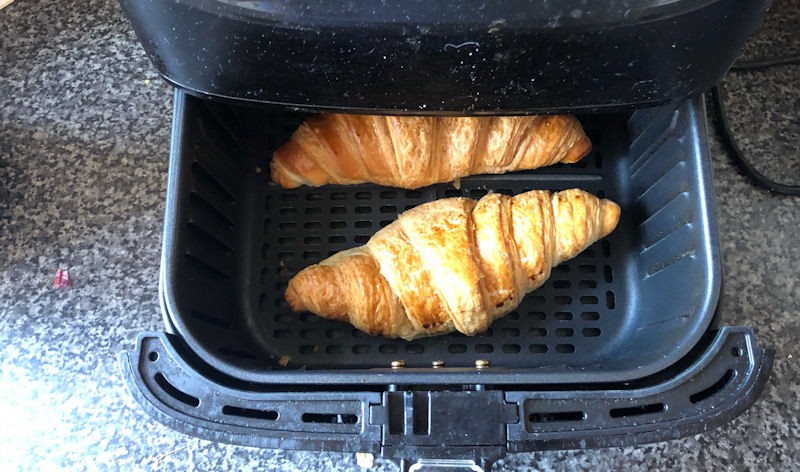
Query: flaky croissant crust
453, 264
413, 152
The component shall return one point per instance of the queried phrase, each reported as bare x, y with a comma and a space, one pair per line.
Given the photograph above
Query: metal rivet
437, 364
481, 363
398, 364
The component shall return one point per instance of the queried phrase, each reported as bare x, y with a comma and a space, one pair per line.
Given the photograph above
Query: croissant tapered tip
609, 217
317, 289
579, 150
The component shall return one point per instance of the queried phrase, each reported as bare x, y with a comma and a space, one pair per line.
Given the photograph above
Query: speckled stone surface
84, 136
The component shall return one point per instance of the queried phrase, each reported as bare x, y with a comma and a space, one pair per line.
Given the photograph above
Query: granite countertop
84, 139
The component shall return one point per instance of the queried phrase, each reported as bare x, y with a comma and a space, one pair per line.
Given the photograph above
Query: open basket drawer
619, 347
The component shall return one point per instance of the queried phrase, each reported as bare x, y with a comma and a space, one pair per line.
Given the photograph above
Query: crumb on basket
284, 360
457, 184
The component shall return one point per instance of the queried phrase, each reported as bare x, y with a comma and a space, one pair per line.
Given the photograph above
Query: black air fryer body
623, 344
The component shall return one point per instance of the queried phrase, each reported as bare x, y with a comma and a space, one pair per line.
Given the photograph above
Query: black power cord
721, 117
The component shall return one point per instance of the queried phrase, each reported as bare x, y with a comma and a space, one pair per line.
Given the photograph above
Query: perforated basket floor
627, 307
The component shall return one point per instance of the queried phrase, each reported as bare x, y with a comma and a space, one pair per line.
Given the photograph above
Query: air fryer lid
444, 56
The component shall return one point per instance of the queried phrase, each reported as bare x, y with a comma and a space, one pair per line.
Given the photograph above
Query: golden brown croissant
453, 264
412, 152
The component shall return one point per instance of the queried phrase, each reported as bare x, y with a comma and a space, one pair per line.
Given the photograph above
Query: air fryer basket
627, 307
620, 347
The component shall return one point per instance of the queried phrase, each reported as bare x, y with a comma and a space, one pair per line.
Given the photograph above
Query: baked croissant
413, 152
452, 264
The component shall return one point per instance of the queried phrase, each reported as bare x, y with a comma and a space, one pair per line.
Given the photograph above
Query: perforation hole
268, 415
384, 223
589, 253
175, 392
562, 284
537, 348
637, 410
537, 300
513, 316
312, 225
288, 211
537, 315
336, 239
451, 192
477, 193
363, 195
590, 332
562, 300
313, 197
388, 194
608, 274
388, 349
484, 348
281, 333
565, 348
556, 416
587, 269
716, 387
606, 247
284, 318
509, 332
587, 284
388, 209
311, 255
308, 333
310, 240
537, 332
590, 316
457, 348
287, 226
561, 269
601, 194
564, 332
413, 194
338, 196
313, 211
335, 333
610, 300
413, 348
309, 349
589, 300
362, 349
361, 238
363, 210
286, 197
337, 225
334, 349
329, 418
511, 348
338, 210
362, 224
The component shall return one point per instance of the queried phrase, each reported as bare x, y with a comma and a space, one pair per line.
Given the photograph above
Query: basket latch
430, 429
